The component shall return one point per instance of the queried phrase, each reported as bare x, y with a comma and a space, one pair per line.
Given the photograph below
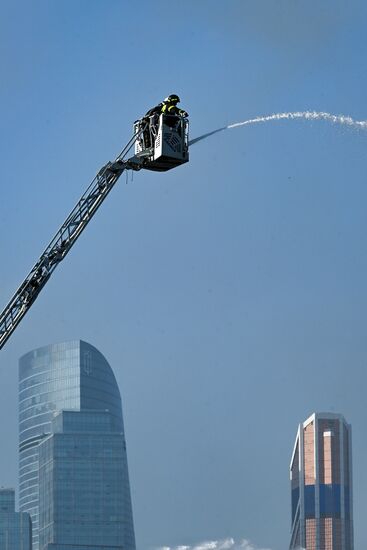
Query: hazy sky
228, 295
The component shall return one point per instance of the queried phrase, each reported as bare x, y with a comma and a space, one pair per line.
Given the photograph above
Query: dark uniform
168, 107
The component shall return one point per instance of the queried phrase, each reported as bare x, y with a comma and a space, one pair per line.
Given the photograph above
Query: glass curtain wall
66, 376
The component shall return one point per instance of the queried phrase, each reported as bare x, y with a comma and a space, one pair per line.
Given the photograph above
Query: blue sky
229, 295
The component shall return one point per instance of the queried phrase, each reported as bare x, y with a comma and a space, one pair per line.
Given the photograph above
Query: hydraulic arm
167, 148
62, 242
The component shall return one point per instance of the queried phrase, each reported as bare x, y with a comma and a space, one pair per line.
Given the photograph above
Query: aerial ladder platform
161, 143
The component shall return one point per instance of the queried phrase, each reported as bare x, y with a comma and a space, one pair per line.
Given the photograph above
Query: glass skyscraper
71, 376
321, 484
15, 527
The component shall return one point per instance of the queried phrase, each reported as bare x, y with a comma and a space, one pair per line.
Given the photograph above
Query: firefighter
168, 107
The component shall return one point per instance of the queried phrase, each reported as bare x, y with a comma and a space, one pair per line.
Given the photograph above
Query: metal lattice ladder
62, 242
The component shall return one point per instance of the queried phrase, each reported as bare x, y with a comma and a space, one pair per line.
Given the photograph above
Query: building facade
82, 488
71, 376
321, 484
79, 547
15, 527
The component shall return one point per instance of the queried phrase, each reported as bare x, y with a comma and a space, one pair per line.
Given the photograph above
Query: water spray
306, 115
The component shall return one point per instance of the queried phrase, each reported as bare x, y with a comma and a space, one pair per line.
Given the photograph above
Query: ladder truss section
60, 245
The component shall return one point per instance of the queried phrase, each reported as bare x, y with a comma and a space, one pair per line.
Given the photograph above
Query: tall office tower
81, 483
71, 376
321, 482
15, 527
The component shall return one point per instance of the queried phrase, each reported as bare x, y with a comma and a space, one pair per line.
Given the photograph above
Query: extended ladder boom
166, 148
62, 242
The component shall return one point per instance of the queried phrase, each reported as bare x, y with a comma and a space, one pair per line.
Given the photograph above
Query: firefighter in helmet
168, 106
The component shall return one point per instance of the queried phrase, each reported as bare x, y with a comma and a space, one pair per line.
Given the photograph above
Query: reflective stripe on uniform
168, 108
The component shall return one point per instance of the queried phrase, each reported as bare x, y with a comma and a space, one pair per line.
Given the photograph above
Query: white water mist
306, 115
224, 544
